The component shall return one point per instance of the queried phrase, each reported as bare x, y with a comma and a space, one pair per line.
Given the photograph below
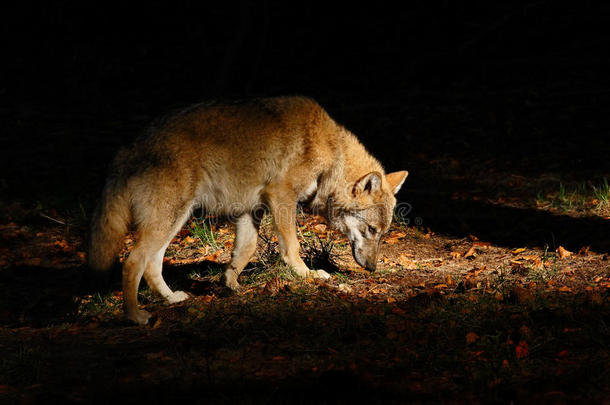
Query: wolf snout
369, 263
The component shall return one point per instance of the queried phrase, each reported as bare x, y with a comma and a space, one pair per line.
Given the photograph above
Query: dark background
486, 103
455, 92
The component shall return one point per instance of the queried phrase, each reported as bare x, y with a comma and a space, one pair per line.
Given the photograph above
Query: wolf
237, 159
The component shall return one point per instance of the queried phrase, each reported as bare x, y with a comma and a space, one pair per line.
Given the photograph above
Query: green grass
213, 270
261, 275
202, 230
602, 194
576, 197
98, 304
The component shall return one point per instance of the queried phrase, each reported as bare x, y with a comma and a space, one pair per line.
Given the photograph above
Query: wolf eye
372, 229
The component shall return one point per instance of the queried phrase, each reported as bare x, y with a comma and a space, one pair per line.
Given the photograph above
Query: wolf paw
320, 274
140, 317
234, 287
177, 296
229, 279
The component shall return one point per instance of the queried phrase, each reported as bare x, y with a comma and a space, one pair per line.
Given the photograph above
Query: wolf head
369, 215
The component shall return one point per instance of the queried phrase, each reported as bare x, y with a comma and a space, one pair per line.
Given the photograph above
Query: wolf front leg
282, 204
246, 234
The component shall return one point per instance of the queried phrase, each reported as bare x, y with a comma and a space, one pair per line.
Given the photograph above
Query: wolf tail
110, 223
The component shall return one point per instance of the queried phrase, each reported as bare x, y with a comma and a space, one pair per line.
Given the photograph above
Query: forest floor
496, 291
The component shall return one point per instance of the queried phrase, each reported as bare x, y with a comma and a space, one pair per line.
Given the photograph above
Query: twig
51, 219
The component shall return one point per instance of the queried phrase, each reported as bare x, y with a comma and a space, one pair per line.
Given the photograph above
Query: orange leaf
563, 253
471, 337
471, 252
407, 263
319, 228
522, 350
455, 255
517, 251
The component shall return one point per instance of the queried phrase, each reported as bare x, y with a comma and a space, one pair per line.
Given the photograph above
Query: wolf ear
369, 183
396, 179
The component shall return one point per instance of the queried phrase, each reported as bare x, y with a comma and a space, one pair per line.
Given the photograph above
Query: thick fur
236, 159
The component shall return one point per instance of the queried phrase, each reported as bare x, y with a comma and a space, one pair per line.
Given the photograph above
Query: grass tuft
202, 230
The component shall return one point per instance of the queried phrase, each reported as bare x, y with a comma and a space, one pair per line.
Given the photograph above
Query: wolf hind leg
154, 278
147, 259
153, 271
246, 235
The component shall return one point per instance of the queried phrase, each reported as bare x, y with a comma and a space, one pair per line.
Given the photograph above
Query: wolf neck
352, 161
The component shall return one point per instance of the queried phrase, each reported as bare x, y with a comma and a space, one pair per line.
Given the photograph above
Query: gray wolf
236, 159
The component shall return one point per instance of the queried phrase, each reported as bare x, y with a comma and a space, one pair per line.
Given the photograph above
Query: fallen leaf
63, 245
455, 255
563, 253
522, 350
471, 337
522, 295
319, 228
565, 289
212, 257
471, 252
398, 235
517, 251
407, 263
344, 288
